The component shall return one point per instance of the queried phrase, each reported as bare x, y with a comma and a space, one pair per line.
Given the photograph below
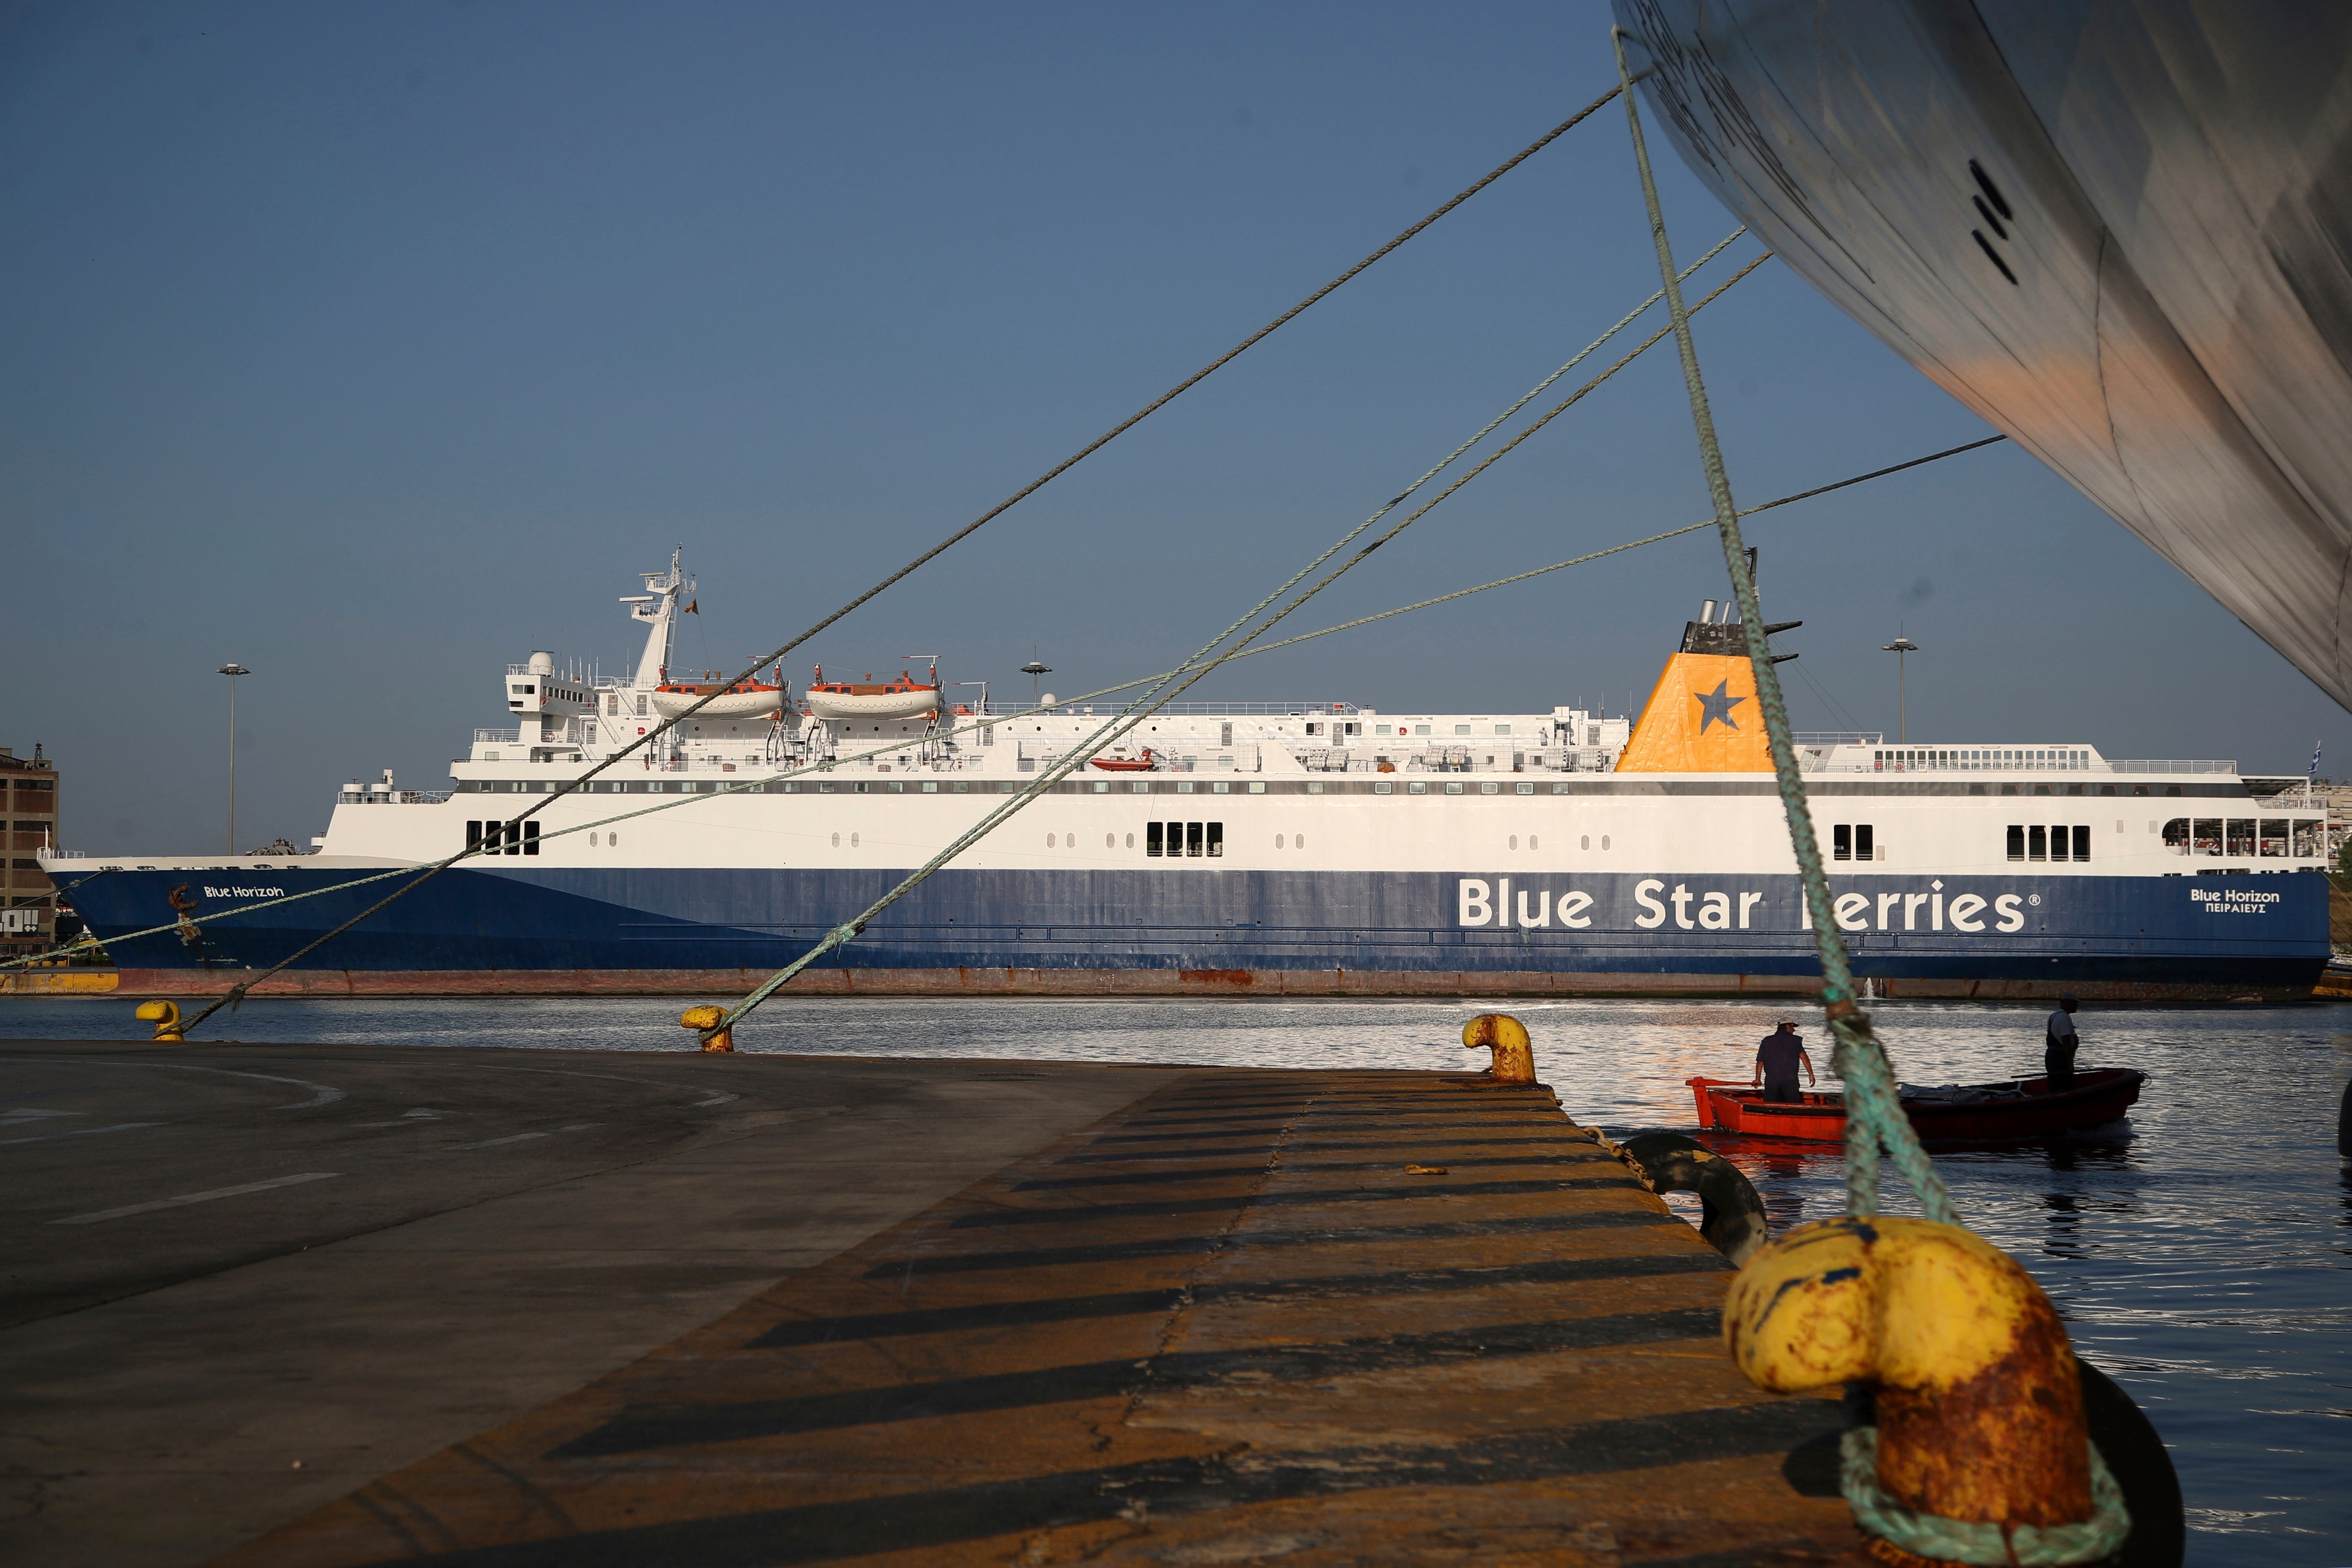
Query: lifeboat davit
744, 699
905, 697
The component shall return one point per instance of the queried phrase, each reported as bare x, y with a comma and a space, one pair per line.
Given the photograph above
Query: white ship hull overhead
2118, 230
1286, 848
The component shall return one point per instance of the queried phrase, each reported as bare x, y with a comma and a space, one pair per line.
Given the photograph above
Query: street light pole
232, 671
1901, 647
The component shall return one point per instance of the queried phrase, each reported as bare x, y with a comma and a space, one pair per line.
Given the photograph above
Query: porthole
1050, 841
853, 841
1299, 842
1604, 841
1110, 841
836, 841
1531, 841
1584, 842
1131, 841
612, 839
1515, 841
1277, 841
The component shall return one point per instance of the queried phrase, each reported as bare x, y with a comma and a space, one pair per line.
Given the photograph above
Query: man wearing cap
1777, 1060
2059, 1045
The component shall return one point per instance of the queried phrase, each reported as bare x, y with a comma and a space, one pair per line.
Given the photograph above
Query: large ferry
1259, 848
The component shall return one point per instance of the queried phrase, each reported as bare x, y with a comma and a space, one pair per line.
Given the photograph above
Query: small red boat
1142, 765
1961, 1113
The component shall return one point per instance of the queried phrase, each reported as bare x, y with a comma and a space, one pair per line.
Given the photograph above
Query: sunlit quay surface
2203, 1253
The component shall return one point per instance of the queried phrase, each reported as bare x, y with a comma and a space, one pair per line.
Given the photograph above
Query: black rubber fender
1731, 1216
2128, 1441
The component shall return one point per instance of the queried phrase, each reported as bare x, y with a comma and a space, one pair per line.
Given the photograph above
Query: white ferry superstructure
1244, 848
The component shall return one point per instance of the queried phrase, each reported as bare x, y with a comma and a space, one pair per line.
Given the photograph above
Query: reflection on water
2202, 1252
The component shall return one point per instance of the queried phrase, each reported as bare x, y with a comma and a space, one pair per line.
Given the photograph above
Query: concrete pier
583, 1308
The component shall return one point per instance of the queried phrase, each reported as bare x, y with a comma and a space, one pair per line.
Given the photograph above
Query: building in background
29, 915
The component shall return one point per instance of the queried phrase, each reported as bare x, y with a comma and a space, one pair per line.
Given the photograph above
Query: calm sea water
2203, 1253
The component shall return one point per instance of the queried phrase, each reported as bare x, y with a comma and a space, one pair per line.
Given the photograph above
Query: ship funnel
1703, 717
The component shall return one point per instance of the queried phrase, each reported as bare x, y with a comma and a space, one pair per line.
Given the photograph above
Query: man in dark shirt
2059, 1043
1777, 1060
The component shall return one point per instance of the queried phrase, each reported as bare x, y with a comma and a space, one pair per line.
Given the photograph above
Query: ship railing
365, 796
1841, 738
497, 737
2171, 765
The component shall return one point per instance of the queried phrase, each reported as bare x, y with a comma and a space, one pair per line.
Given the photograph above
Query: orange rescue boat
1959, 1113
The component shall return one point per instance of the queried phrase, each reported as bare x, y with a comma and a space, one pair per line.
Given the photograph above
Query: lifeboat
1961, 1113
905, 697
1119, 764
743, 699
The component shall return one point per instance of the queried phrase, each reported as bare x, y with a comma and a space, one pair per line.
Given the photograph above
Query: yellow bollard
702, 1017
1979, 1403
164, 1015
1515, 1059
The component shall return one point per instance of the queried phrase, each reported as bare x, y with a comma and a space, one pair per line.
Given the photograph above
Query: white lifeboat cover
732, 705
875, 705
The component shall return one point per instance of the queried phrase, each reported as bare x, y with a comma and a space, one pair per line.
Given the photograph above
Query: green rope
1200, 665
1874, 1112
1976, 1542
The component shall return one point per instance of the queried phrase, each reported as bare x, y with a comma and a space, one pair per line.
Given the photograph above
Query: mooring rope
1873, 1114
1874, 1109
235, 995
760, 782
1193, 670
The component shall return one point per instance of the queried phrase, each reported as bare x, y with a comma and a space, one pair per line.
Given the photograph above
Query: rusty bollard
1978, 1400
703, 1017
164, 1015
1515, 1059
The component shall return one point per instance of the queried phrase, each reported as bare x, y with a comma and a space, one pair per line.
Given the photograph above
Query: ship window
2176, 836
531, 837
1461, 729
1315, 786
1863, 848
2242, 836
1420, 729
1416, 787
2082, 842
1138, 787
1049, 841
1454, 786
1489, 786
641, 706
1841, 842
2306, 839
1131, 841
1277, 841
1313, 728
1526, 789
2016, 841
517, 687
1604, 841
1192, 840
1502, 728
473, 834
1515, 841
1110, 841
1217, 839
1531, 840
1584, 841
1151, 839
836, 841
853, 841
2037, 843
1383, 786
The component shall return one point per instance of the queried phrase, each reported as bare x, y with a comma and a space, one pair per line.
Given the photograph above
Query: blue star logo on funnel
1716, 705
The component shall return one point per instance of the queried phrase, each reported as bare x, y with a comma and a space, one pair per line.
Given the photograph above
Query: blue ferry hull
524, 930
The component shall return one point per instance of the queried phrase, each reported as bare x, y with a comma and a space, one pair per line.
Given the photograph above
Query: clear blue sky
373, 347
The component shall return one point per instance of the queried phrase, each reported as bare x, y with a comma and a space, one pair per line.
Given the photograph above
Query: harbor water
2201, 1252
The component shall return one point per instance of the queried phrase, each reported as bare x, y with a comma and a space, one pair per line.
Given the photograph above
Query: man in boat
2059, 1045
1777, 1061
